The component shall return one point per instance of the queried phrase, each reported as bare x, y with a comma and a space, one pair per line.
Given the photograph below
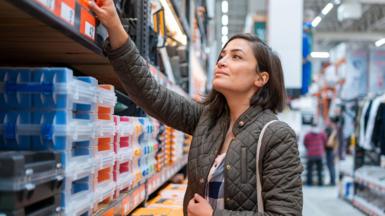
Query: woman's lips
221, 73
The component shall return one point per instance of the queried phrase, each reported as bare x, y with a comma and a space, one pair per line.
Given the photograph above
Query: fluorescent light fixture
327, 8
316, 21
225, 30
224, 39
320, 54
225, 20
172, 24
225, 6
380, 42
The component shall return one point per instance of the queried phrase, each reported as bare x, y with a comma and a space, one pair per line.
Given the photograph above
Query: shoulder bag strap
258, 174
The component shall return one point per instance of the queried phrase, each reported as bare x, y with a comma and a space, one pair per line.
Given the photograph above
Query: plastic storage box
58, 131
105, 130
46, 89
106, 100
77, 194
48, 206
29, 181
123, 176
104, 182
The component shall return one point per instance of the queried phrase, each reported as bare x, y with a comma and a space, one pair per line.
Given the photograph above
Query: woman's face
235, 71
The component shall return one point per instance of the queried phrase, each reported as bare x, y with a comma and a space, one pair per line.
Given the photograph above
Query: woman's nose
221, 62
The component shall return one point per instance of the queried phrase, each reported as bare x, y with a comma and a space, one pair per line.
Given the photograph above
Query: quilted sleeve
281, 178
156, 100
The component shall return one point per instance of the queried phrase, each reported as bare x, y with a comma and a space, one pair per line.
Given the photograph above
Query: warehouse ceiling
369, 27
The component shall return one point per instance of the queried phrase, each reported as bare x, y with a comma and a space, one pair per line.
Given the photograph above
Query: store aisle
323, 201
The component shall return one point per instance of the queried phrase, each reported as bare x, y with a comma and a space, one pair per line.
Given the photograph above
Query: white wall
285, 37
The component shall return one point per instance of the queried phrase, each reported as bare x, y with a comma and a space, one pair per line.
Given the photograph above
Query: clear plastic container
106, 96
103, 192
46, 89
26, 170
104, 132
104, 182
43, 130
78, 193
125, 177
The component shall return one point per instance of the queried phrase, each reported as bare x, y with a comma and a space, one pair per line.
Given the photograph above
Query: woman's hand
106, 12
199, 206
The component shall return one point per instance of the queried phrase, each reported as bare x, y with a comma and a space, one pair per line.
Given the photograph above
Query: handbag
260, 206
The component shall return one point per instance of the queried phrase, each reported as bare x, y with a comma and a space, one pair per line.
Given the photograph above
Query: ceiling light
380, 42
316, 21
224, 39
172, 24
225, 6
337, 2
225, 30
320, 54
327, 8
225, 20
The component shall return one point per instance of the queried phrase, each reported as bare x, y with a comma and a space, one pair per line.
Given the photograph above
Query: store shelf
34, 33
129, 201
372, 177
367, 207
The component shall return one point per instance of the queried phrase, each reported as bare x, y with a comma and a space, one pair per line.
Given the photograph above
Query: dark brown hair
272, 95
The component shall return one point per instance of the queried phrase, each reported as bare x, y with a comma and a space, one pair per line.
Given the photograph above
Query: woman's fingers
95, 8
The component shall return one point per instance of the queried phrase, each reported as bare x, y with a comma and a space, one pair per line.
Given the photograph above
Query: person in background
248, 89
315, 143
331, 147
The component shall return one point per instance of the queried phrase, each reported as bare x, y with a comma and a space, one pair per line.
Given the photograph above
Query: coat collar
246, 118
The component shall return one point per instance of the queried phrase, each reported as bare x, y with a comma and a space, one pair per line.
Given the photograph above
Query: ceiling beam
347, 36
372, 1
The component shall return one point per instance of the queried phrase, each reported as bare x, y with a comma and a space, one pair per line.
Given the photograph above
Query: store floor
323, 201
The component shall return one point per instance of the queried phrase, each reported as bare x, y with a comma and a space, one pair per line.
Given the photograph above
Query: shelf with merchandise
367, 206
129, 201
372, 177
62, 32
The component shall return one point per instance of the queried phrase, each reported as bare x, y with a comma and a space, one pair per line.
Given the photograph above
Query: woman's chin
220, 86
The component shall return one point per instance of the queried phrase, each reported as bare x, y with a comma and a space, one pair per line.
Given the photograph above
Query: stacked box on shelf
78, 193
104, 184
187, 143
50, 109
105, 126
149, 146
124, 150
30, 183
46, 89
174, 145
169, 142
161, 153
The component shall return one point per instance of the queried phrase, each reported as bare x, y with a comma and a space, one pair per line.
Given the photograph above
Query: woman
248, 89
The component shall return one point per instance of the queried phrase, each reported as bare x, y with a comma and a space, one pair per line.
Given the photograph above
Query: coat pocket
243, 165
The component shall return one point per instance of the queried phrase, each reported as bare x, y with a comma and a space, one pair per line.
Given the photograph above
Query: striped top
214, 190
315, 144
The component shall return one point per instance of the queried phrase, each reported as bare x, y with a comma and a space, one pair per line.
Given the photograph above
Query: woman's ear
262, 79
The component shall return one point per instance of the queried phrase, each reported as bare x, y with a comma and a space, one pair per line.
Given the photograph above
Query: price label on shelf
126, 205
90, 30
67, 11
48, 4
87, 24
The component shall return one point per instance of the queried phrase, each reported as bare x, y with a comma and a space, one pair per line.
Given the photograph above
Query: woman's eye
236, 57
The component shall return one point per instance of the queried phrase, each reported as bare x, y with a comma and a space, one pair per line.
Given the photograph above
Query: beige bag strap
260, 206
